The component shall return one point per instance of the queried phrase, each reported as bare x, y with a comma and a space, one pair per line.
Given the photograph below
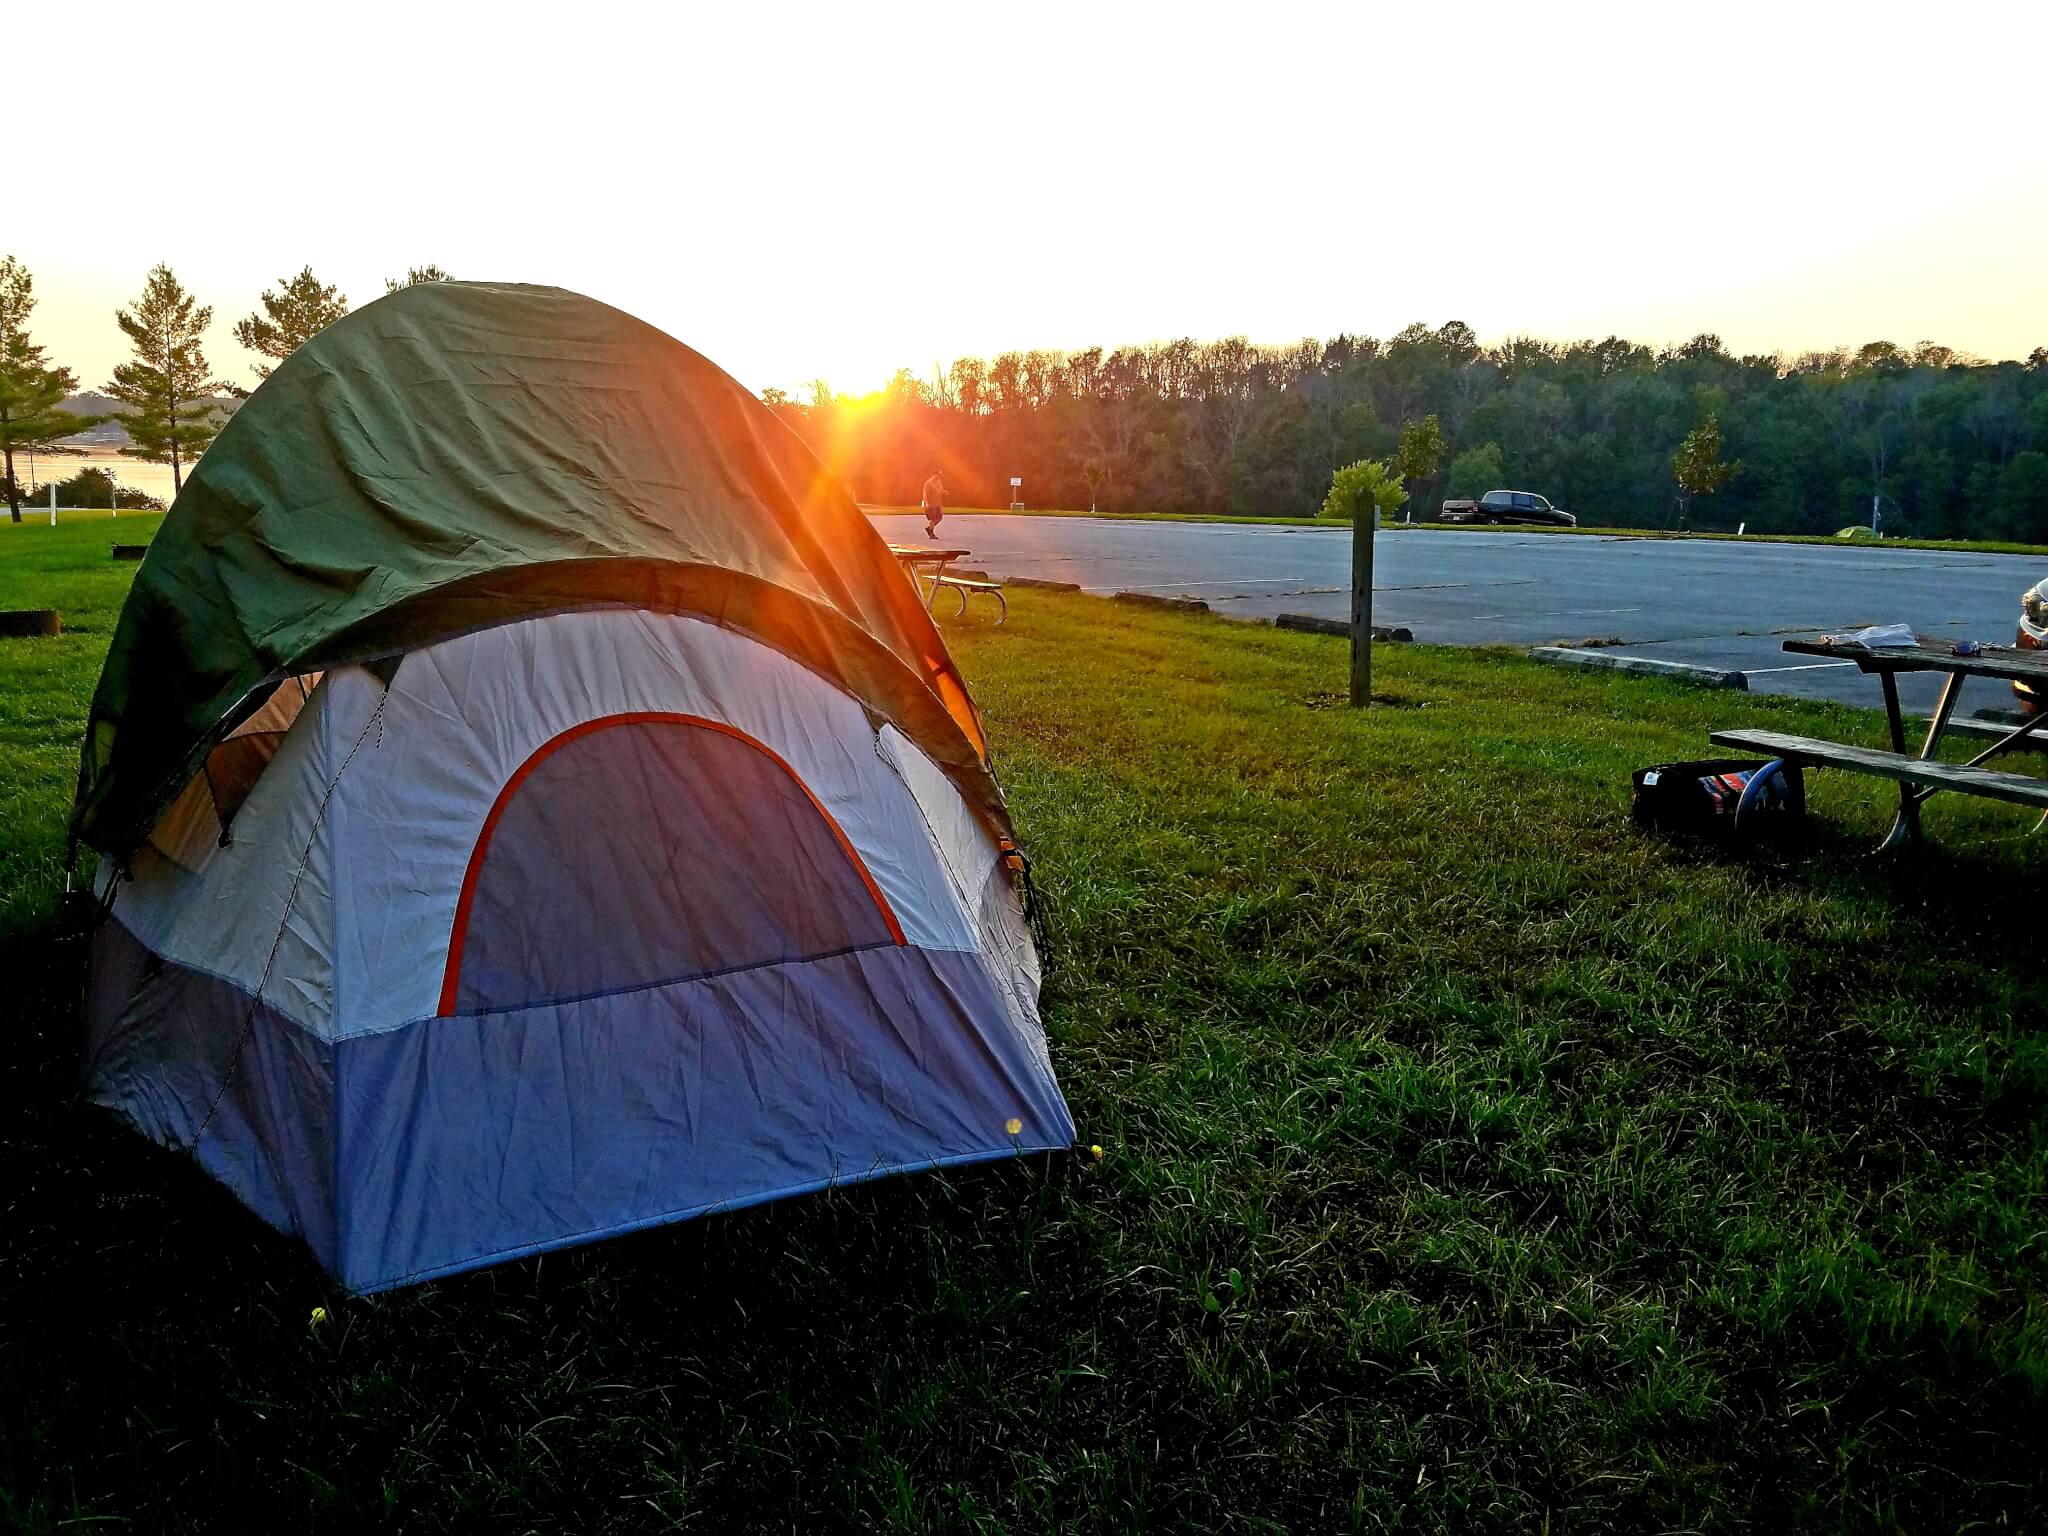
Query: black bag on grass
1720, 797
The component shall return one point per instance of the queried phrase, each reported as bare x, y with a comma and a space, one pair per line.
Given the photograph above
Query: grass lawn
1473, 1162
33, 516
1978, 546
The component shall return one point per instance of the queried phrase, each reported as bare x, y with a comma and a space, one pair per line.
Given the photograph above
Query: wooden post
1364, 517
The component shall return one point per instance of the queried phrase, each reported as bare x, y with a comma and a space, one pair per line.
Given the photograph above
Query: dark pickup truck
1508, 507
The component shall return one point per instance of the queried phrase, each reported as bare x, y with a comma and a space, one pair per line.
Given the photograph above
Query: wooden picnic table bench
1981, 729
2001, 731
966, 584
1921, 776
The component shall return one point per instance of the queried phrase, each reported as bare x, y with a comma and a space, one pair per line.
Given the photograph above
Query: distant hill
111, 434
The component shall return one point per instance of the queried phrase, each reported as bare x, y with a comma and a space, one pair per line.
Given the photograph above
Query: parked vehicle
2033, 636
1508, 507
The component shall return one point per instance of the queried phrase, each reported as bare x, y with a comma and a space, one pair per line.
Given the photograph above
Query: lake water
44, 469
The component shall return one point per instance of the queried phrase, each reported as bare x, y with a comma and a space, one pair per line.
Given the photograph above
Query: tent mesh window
636, 851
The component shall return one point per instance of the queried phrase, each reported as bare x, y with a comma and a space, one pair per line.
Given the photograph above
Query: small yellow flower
319, 1317
1014, 1126
1095, 1151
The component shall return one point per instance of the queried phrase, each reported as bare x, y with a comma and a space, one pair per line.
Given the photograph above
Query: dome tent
533, 805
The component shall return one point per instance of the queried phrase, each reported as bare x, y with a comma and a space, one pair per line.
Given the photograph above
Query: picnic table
912, 557
1919, 777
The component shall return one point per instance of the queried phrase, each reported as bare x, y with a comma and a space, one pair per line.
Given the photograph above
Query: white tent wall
386, 863
981, 882
262, 900
341, 918
463, 717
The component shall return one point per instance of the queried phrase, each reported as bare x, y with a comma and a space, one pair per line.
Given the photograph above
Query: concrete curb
1153, 600
1678, 671
1040, 581
1308, 623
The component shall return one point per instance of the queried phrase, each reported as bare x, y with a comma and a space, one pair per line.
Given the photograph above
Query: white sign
1015, 481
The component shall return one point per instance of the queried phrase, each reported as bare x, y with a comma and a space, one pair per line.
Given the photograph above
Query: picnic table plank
2005, 663
1997, 730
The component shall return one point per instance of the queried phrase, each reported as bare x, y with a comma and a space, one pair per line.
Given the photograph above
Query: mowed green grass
1473, 1161
45, 686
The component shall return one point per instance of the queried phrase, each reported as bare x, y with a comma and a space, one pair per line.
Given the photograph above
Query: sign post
1016, 493
1365, 517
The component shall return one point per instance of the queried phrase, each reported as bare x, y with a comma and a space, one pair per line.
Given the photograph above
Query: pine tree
168, 388
30, 391
302, 307
430, 273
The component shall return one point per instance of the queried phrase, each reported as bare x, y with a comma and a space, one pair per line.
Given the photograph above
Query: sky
805, 192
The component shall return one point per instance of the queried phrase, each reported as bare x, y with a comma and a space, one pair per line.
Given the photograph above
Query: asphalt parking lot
1717, 603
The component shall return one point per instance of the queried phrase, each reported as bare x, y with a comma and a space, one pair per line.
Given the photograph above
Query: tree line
1937, 444
169, 394
1622, 434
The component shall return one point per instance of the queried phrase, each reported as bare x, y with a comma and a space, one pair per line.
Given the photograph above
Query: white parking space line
1556, 613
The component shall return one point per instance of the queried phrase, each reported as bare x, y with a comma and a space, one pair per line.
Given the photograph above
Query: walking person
933, 499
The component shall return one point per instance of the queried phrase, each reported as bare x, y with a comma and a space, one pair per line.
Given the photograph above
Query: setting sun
831, 192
